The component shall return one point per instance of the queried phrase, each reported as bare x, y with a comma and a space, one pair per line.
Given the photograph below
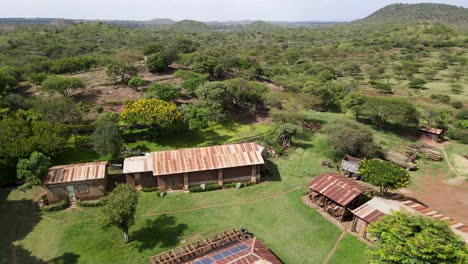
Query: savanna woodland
85, 91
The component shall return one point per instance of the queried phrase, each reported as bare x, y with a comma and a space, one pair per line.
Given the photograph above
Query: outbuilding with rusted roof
179, 169
435, 134
337, 194
83, 181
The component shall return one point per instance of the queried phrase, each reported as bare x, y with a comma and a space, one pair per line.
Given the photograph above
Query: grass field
273, 211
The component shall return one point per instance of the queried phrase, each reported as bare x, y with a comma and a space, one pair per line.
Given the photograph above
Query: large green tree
62, 85
385, 109
121, 71
384, 174
354, 102
107, 137
119, 209
412, 238
33, 170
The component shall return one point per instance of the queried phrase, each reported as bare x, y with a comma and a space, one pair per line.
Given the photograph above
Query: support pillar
186, 182
161, 183
220, 177
254, 174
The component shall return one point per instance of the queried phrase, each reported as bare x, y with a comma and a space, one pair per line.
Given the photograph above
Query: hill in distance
189, 26
419, 13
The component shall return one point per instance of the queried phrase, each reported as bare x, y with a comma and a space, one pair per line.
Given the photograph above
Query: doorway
71, 191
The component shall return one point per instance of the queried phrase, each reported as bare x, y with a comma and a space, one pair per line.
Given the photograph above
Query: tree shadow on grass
163, 231
275, 174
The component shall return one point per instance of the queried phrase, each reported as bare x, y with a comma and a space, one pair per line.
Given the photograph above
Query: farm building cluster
167, 170
348, 199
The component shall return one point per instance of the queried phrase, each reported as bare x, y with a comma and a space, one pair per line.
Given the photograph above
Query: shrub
98, 108
230, 185
55, 207
156, 62
196, 189
441, 98
456, 88
462, 115
457, 105
212, 187
149, 189
37, 78
166, 92
92, 203
136, 82
458, 134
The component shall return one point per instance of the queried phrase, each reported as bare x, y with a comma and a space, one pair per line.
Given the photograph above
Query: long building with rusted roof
83, 181
179, 169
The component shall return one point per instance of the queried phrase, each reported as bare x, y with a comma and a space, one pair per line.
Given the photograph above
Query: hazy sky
203, 10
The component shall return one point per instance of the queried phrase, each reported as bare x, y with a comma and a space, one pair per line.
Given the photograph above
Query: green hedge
212, 187
55, 207
93, 203
149, 189
196, 188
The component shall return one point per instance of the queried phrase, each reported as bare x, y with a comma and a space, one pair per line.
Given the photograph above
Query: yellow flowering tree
158, 114
384, 174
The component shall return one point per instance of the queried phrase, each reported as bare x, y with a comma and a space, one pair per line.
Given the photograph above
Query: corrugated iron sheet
432, 130
338, 188
378, 207
76, 172
197, 159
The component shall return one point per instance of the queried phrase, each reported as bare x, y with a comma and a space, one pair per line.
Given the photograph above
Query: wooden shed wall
199, 177
96, 189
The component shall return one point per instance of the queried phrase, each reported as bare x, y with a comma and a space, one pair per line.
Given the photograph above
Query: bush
462, 115
149, 189
196, 189
230, 185
156, 62
55, 207
212, 187
92, 203
98, 108
441, 98
37, 78
457, 105
136, 82
166, 92
456, 88
458, 134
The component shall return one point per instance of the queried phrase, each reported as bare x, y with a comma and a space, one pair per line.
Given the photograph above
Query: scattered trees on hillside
156, 63
159, 115
9, 79
347, 137
33, 170
417, 83
62, 85
403, 237
354, 102
121, 71
119, 209
73, 64
107, 137
384, 174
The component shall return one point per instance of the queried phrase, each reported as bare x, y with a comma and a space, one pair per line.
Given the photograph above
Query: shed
230, 246
337, 194
435, 134
83, 181
179, 169
378, 207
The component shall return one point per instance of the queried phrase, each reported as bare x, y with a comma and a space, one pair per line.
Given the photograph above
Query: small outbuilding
338, 195
179, 169
84, 181
435, 134
230, 246
378, 207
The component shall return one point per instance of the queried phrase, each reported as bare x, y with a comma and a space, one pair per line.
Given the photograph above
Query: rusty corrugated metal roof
378, 207
197, 159
431, 130
338, 188
76, 172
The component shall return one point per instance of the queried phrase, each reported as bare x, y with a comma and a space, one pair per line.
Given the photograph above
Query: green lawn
349, 251
273, 211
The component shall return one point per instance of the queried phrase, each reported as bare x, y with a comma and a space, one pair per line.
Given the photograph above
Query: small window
57, 190
82, 188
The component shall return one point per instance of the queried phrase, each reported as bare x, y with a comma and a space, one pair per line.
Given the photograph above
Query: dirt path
448, 162
332, 250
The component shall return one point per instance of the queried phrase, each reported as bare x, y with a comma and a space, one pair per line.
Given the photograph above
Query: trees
412, 238
384, 109
384, 174
354, 102
33, 170
196, 116
8, 81
119, 209
152, 48
107, 138
244, 93
156, 63
214, 96
121, 70
62, 85
166, 92
158, 114
347, 137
